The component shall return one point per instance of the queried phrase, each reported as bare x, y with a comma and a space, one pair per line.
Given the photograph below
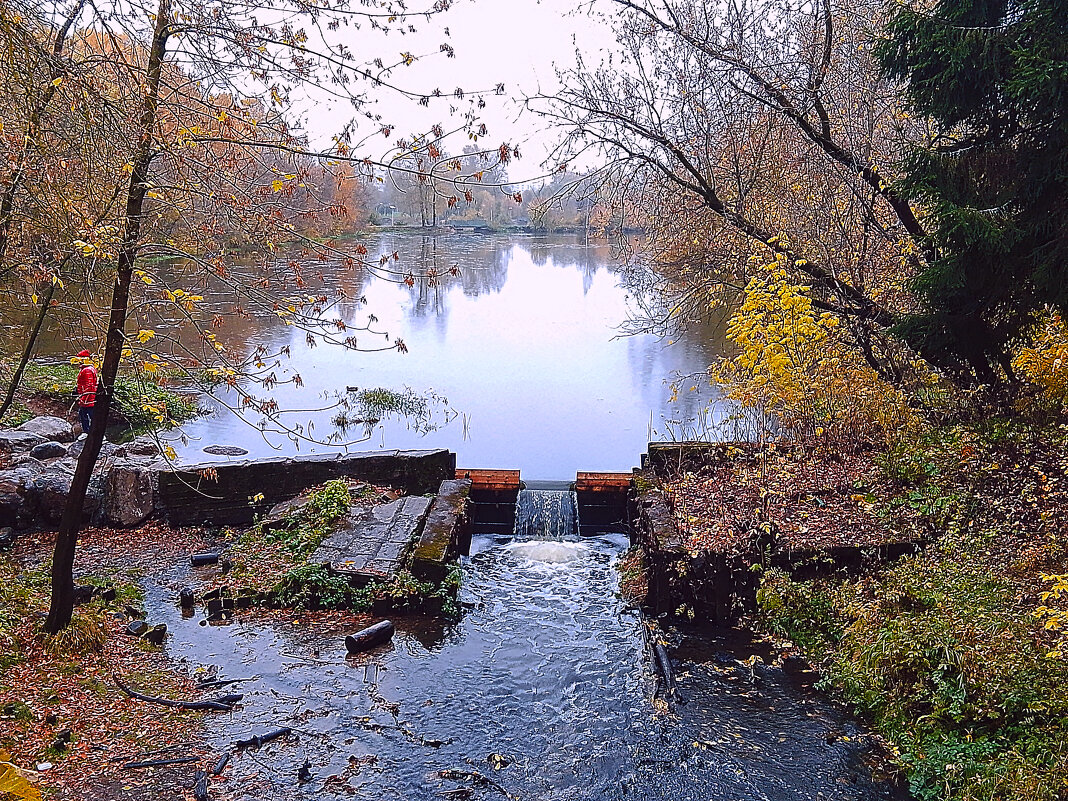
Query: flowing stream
544, 688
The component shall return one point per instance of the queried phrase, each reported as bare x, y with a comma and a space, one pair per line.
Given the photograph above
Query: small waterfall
546, 514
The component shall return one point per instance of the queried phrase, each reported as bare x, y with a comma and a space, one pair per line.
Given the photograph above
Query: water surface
525, 345
546, 676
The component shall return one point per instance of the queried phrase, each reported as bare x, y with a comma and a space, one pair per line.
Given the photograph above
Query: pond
522, 353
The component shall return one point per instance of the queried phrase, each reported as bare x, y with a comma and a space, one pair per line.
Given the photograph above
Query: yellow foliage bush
792, 365
1045, 362
1055, 617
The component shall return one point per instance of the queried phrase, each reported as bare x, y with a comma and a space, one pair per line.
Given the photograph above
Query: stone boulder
50, 489
49, 450
54, 429
14, 441
107, 450
18, 504
143, 446
52, 486
129, 494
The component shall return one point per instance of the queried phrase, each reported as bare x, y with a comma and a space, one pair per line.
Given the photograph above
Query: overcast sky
519, 43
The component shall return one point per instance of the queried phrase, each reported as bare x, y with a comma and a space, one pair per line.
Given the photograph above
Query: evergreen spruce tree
992, 76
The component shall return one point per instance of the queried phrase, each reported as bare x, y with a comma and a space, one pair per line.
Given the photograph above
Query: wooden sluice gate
493, 499
604, 500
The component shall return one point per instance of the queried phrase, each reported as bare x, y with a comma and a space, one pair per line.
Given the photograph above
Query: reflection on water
546, 677
520, 334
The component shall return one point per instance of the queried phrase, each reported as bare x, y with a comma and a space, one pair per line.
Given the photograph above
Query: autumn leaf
14, 783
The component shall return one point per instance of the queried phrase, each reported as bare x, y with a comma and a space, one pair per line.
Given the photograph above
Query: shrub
938, 655
315, 521
1045, 361
791, 363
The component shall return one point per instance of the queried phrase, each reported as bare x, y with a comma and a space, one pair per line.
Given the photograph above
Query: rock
107, 450
157, 634
93, 509
106, 594
7, 537
83, 593
51, 489
15, 441
225, 450
25, 460
129, 494
48, 450
18, 504
137, 628
142, 446
55, 429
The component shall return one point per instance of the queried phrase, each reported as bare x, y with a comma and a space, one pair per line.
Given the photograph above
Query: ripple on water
549, 669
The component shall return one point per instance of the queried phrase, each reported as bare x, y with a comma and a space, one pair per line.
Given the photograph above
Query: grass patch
87, 633
141, 400
22, 593
313, 587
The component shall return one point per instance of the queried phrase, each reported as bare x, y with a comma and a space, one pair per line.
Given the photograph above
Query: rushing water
546, 676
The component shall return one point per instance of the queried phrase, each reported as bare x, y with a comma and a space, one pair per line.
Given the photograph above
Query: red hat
85, 353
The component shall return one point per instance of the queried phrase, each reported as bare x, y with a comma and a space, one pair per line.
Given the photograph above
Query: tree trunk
62, 604
16, 379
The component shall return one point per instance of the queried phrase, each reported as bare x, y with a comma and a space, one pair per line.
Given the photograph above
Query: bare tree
758, 128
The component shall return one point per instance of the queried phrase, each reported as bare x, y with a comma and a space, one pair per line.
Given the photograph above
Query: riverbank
65, 722
69, 722
47, 388
954, 653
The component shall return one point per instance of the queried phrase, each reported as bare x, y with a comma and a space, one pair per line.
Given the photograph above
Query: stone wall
229, 494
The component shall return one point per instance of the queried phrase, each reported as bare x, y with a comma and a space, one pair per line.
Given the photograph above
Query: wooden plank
603, 482
497, 480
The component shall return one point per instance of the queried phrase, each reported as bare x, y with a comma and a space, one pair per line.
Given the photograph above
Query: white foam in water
548, 551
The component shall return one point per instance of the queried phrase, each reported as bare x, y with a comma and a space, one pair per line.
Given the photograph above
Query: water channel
544, 688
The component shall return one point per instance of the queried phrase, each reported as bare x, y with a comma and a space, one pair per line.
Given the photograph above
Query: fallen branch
155, 763
215, 706
472, 776
258, 740
220, 766
200, 786
663, 661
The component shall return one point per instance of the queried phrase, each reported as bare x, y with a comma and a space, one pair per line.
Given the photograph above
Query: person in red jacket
86, 392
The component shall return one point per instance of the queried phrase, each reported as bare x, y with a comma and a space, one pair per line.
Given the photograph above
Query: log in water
369, 637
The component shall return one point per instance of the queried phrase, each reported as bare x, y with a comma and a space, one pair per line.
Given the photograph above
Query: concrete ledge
217, 494
447, 527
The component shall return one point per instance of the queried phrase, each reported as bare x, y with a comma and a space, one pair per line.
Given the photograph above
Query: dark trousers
85, 417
